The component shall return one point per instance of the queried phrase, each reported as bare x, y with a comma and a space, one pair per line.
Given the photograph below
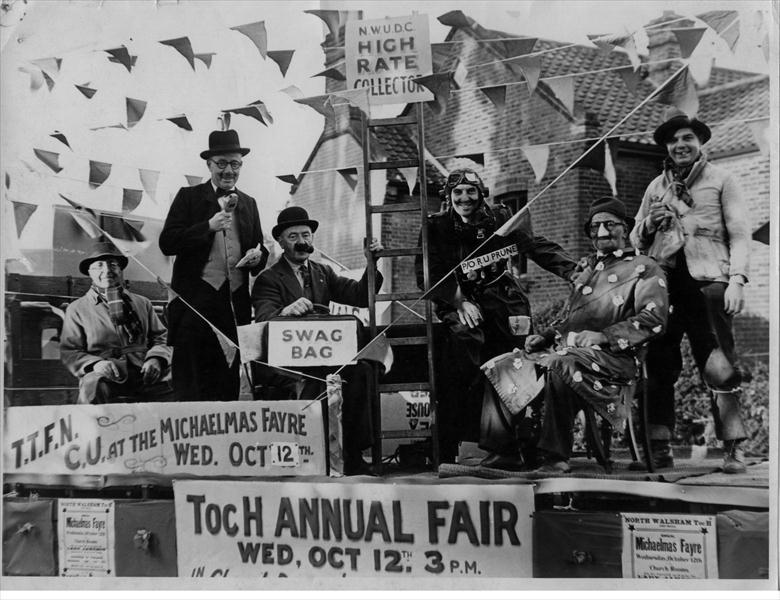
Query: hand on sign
300, 307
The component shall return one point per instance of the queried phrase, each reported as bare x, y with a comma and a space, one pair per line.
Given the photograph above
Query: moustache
303, 247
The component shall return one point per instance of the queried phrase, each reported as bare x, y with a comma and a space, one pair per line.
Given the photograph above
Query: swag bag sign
383, 56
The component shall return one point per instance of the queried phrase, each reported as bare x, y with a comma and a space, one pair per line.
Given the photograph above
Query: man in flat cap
213, 230
693, 221
112, 339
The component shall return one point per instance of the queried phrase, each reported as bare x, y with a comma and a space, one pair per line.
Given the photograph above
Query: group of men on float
678, 266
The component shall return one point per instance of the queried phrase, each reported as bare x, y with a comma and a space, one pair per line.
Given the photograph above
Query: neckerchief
680, 179
121, 311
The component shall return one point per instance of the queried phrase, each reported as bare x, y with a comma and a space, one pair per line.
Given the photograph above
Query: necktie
306, 279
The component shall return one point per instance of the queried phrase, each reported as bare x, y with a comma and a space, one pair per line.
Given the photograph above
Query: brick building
471, 124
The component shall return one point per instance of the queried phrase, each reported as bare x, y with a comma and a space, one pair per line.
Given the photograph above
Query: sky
80, 31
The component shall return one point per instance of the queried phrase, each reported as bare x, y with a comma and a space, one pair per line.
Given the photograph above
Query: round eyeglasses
608, 225
222, 164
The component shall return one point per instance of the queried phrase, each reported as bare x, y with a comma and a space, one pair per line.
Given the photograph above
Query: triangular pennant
725, 23
135, 111
563, 88
610, 174
680, 91
410, 175
58, 135
180, 121
357, 98
50, 159
350, 175
496, 94
439, 84
131, 199
282, 58
331, 73
459, 76
593, 158
224, 120
193, 179
630, 77
519, 47
520, 221
205, 58
455, 18
9, 239
36, 78
121, 56
319, 103
52, 65
607, 43
183, 47
98, 173
22, 213
440, 53
149, 181
700, 66
228, 348
529, 66
331, 18
7, 181
291, 179
133, 60
688, 38
49, 81
116, 126
123, 229
292, 91
762, 234
478, 158
86, 90
255, 32
537, 156
760, 131
85, 217
257, 110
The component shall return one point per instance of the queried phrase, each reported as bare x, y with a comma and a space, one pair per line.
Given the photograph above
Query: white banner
307, 343
328, 529
86, 537
669, 546
383, 55
282, 437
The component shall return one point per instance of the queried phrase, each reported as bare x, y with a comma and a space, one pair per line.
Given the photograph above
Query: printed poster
85, 531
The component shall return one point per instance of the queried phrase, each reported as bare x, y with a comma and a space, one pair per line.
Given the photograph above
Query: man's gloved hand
107, 370
300, 307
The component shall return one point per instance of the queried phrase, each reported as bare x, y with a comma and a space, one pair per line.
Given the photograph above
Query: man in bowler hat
213, 230
112, 339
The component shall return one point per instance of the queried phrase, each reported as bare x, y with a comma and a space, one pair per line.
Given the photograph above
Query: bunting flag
22, 213
529, 67
85, 217
680, 92
115, 126
563, 88
58, 135
760, 131
440, 53
410, 176
357, 98
255, 32
518, 47
610, 174
50, 159
439, 84
49, 81
86, 90
282, 58
724, 23
227, 345
292, 91
131, 199
36, 77
135, 111
149, 181
180, 121
478, 158
224, 120
537, 156
700, 67
52, 65
291, 179
125, 234
455, 18
350, 175
496, 94
7, 181
762, 234
520, 221
607, 43
133, 60
594, 158
630, 77
98, 173
9, 239
321, 104
193, 179
331, 18
122, 56
183, 46
688, 38
205, 58
459, 76
332, 73
257, 110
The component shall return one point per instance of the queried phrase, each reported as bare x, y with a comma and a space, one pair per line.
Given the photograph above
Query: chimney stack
662, 45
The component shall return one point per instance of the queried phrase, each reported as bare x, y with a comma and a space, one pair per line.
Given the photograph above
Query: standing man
296, 286
485, 309
112, 339
210, 228
693, 221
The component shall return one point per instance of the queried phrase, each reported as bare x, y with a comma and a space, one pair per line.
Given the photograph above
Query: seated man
619, 302
111, 339
293, 287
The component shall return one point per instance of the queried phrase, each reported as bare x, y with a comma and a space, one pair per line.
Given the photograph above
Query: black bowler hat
675, 119
224, 142
611, 205
99, 251
293, 215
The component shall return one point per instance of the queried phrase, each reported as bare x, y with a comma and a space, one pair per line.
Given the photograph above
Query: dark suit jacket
277, 287
186, 235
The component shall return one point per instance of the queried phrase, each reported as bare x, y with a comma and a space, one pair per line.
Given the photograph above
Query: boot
733, 457
660, 454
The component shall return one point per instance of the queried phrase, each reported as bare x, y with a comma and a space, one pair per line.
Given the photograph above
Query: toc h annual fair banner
328, 529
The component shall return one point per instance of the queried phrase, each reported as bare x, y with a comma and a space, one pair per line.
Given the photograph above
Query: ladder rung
408, 341
398, 296
412, 386
408, 120
394, 164
400, 207
394, 434
400, 252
